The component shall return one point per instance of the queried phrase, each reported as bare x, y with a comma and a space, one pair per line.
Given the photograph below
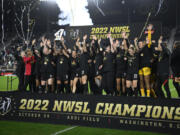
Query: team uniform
74, 68
108, 78
47, 68
98, 62
62, 68
83, 63
91, 73
62, 72
120, 63
132, 67
145, 56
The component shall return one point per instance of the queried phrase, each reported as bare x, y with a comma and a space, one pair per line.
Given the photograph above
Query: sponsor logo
5, 105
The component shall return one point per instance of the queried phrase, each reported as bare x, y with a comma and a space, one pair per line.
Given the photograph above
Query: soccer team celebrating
119, 68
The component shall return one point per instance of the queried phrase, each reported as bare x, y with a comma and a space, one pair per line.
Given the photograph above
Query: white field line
64, 130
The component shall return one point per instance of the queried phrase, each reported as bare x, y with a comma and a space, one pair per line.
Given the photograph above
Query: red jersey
28, 61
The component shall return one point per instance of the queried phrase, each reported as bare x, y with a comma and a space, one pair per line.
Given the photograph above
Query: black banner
96, 111
101, 31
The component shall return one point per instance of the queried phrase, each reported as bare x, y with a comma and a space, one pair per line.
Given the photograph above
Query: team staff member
98, 68
175, 65
91, 74
163, 69
47, 65
108, 78
20, 68
132, 71
28, 60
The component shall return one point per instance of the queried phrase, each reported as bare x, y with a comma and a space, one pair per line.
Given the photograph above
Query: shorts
120, 74
145, 71
132, 77
45, 76
74, 75
83, 72
62, 77
38, 76
98, 72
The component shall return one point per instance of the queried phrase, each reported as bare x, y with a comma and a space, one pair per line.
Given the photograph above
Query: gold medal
118, 56
45, 63
73, 63
61, 62
142, 54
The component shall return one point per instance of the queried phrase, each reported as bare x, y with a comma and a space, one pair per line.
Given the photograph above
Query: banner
131, 113
133, 30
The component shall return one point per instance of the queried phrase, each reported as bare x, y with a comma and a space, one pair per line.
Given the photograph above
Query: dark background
46, 14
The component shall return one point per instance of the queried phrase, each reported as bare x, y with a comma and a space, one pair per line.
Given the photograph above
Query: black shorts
83, 72
45, 76
74, 75
62, 77
38, 76
98, 72
132, 76
120, 74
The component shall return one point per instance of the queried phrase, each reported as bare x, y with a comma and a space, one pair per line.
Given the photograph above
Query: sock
148, 93
142, 93
153, 93
37, 89
117, 93
50, 88
67, 88
136, 92
43, 88
124, 93
59, 88
85, 88
128, 91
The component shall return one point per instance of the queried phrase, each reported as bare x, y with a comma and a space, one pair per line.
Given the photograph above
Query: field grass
22, 128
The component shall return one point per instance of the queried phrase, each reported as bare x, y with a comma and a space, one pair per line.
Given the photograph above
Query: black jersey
62, 64
163, 61
74, 64
47, 62
145, 56
120, 62
46, 65
132, 64
83, 61
109, 62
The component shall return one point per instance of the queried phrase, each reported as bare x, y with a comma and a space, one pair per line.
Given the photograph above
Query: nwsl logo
5, 105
